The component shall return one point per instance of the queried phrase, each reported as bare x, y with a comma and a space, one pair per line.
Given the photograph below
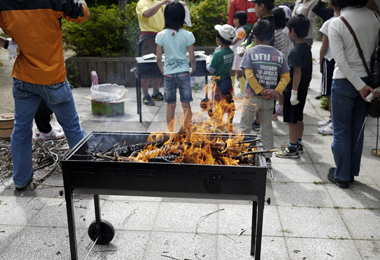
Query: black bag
374, 108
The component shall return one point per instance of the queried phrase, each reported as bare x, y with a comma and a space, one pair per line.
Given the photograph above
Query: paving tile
359, 195
235, 219
373, 172
187, 217
125, 245
39, 243
302, 194
316, 249
368, 249
133, 215
232, 247
8, 233
312, 223
295, 173
171, 245
19, 210
84, 213
362, 223
321, 155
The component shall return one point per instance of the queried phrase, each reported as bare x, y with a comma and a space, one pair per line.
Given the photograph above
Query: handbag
374, 75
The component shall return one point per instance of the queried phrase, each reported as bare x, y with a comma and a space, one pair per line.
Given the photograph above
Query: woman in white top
350, 86
305, 7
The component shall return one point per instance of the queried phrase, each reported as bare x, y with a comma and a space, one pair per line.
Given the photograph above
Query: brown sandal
376, 152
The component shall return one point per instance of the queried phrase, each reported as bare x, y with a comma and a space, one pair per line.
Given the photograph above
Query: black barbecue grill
82, 173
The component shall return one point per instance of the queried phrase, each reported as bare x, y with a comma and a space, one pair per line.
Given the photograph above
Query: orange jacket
35, 26
242, 5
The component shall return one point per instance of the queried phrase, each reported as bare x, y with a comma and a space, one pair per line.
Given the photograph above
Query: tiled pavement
309, 218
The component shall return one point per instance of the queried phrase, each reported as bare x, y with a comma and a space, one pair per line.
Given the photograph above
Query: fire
198, 143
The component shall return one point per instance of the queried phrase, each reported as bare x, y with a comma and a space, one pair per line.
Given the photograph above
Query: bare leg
300, 127
293, 132
188, 114
156, 84
145, 85
170, 109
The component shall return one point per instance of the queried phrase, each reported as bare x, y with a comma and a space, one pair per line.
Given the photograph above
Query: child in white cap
220, 66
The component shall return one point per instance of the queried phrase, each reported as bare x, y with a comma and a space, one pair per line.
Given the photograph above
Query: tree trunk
123, 4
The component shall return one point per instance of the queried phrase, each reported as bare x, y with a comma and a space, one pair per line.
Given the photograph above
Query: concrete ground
309, 217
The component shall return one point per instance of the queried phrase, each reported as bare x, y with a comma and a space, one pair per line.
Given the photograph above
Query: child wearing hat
220, 66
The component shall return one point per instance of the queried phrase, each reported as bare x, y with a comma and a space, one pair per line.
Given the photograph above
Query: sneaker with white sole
324, 122
53, 128
52, 135
299, 147
326, 130
288, 152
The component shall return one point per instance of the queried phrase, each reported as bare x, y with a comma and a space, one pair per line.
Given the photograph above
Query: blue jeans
348, 113
181, 81
27, 97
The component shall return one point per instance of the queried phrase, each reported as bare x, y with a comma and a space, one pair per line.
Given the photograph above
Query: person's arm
253, 83
296, 78
154, 9
324, 13
159, 58
193, 62
323, 50
83, 2
284, 80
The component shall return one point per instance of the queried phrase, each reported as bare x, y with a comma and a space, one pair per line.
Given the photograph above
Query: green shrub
109, 32
324, 103
204, 16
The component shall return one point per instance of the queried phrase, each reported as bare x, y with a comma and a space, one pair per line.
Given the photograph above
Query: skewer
255, 152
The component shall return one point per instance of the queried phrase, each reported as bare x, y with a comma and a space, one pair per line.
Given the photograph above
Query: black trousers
42, 118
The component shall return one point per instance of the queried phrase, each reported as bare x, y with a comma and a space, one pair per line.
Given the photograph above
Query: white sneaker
324, 122
53, 135
327, 130
53, 128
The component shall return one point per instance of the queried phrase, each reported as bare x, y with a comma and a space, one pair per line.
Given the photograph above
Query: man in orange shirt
247, 6
39, 73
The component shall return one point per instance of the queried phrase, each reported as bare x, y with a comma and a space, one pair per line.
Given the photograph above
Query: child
176, 42
327, 64
288, 45
240, 19
221, 65
263, 9
263, 66
301, 65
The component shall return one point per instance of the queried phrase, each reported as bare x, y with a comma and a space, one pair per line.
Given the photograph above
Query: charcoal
165, 158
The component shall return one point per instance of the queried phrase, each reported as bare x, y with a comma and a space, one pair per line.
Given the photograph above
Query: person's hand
269, 93
192, 70
13, 49
365, 91
320, 68
164, 2
293, 98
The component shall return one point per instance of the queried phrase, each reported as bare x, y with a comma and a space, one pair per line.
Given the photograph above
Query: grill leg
71, 223
97, 215
259, 231
254, 229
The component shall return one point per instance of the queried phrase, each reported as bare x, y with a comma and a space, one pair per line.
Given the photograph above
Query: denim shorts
181, 81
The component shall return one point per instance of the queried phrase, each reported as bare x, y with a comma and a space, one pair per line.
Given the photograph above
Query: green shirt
222, 61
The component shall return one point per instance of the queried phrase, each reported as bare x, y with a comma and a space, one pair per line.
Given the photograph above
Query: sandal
376, 152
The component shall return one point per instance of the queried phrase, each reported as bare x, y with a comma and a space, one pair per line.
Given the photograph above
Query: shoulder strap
357, 43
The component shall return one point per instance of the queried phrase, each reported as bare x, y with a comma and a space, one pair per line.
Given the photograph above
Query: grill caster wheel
108, 232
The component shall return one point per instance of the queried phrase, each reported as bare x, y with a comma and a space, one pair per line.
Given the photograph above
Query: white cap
226, 31
287, 10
